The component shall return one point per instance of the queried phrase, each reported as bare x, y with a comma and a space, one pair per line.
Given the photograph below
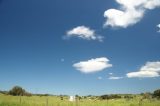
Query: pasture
8, 100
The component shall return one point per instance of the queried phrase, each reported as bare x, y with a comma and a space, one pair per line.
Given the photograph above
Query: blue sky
79, 46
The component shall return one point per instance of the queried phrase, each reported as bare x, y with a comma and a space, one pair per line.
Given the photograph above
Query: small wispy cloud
99, 78
62, 60
130, 12
150, 69
84, 32
93, 65
114, 78
110, 73
158, 27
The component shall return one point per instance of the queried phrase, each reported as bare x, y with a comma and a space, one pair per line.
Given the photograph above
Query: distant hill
3, 92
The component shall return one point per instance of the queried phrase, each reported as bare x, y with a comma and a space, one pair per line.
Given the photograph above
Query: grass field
7, 100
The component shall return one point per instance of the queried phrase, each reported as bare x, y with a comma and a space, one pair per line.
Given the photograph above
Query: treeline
19, 91
147, 95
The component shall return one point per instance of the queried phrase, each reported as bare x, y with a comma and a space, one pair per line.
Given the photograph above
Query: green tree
156, 93
17, 91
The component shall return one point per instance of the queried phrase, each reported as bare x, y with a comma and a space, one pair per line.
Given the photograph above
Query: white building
72, 98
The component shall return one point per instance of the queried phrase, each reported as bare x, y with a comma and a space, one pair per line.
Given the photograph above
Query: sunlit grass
7, 100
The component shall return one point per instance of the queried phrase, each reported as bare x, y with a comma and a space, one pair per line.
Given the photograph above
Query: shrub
113, 96
103, 97
146, 95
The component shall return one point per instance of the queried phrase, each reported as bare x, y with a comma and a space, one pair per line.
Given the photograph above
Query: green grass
7, 100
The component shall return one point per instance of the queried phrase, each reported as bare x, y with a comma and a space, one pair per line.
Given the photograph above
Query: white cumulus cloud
93, 65
150, 69
84, 32
114, 78
131, 12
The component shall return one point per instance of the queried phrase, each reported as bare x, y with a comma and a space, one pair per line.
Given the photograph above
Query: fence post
20, 100
76, 102
140, 102
47, 101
